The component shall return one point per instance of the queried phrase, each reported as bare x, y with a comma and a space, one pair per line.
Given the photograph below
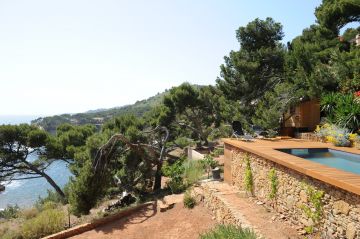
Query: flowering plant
336, 135
357, 142
357, 97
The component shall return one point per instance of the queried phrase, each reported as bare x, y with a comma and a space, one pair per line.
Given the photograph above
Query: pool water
333, 158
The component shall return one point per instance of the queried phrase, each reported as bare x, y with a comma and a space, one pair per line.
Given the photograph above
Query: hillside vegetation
98, 117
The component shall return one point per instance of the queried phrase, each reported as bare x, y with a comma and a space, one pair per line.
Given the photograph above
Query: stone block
303, 196
290, 201
341, 207
351, 231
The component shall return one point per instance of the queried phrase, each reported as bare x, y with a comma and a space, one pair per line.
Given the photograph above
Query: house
303, 117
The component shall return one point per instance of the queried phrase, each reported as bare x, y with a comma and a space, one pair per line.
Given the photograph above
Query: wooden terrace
267, 150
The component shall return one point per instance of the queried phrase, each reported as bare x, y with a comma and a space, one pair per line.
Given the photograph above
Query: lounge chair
237, 129
238, 132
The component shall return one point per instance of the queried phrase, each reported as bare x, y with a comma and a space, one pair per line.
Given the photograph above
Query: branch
18, 179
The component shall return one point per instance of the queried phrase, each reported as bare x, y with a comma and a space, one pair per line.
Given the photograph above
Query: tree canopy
257, 67
17, 144
334, 14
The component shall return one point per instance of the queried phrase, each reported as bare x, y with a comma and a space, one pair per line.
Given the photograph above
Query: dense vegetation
257, 83
98, 117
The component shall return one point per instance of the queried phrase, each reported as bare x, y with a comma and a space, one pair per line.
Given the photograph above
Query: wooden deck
267, 149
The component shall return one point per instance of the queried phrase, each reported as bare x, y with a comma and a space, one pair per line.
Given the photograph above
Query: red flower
357, 94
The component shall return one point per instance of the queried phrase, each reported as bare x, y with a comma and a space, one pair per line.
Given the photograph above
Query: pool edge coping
339, 178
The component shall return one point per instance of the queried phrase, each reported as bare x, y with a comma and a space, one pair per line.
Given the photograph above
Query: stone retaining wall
221, 209
340, 213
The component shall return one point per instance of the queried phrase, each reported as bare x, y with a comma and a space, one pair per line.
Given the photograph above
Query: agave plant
342, 110
328, 103
347, 113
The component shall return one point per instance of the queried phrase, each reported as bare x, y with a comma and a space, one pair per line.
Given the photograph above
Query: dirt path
177, 222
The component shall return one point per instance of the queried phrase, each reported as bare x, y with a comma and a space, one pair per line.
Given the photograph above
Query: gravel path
178, 222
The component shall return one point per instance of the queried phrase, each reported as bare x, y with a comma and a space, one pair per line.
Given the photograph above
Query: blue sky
73, 56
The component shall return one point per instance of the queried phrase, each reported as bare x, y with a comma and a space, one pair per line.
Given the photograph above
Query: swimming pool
333, 158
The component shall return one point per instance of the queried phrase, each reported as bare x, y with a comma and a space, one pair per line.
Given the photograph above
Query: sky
71, 56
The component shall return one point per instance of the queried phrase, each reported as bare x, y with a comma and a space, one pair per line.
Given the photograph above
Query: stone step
229, 208
169, 201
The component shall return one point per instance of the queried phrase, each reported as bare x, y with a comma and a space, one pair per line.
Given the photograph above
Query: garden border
98, 222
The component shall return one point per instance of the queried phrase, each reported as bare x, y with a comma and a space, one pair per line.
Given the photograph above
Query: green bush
193, 171
189, 201
29, 213
45, 223
10, 212
341, 109
183, 142
51, 196
274, 183
209, 163
176, 186
229, 232
248, 177
86, 190
175, 172
217, 152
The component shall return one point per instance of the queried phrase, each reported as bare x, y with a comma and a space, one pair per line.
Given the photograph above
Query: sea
25, 193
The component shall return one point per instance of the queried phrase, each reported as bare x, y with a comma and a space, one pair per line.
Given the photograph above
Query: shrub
342, 109
217, 152
357, 142
189, 201
86, 191
335, 134
274, 182
314, 208
229, 232
175, 171
45, 223
10, 212
176, 185
208, 163
29, 213
248, 177
51, 196
6, 233
183, 142
193, 171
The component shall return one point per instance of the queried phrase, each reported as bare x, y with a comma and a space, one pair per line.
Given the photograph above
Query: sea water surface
24, 193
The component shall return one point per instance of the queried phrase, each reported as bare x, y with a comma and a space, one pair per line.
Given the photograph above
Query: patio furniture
238, 132
237, 129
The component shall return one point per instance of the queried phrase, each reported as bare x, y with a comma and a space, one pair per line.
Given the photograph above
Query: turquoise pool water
329, 157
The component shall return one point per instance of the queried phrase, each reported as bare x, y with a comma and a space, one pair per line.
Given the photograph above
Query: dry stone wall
222, 210
339, 210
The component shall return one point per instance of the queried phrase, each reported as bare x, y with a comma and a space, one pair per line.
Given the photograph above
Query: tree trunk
157, 181
54, 185
47, 177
